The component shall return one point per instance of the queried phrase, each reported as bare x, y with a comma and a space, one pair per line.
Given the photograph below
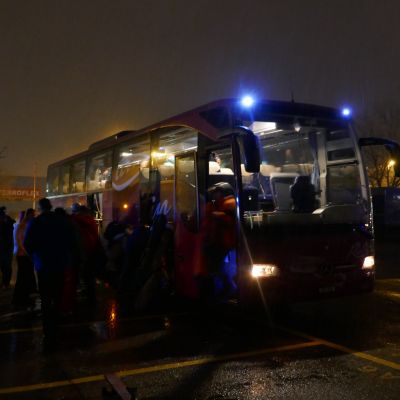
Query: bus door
219, 224
186, 218
95, 204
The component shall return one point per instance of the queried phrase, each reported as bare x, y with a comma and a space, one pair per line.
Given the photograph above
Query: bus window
130, 155
131, 179
289, 167
337, 135
78, 176
167, 143
343, 171
290, 178
344, 186
53, 181
339, 146
341, 154
65, 175
99, 171
220, 167
186, 192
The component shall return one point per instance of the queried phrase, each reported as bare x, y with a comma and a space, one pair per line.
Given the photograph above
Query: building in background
17, 192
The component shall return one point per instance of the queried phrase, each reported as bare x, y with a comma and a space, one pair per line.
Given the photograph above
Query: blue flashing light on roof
247, 101
346, 112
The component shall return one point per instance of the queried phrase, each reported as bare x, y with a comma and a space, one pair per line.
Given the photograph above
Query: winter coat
52, 242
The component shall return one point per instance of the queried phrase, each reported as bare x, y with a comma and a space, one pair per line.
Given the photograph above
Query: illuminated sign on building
10, 194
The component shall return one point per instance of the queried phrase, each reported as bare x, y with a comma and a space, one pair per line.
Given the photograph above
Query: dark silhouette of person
70, 280
303, 195
52, 243
115, 234
6, 246
60, 211
151, 270
135, 247
137, 235
25, 284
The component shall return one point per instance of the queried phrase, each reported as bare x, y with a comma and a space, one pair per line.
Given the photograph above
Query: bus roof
210, 118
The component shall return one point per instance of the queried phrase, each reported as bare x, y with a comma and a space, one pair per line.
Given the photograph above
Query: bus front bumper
299, 287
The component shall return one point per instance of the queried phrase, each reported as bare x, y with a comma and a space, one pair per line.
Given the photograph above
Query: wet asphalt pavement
346, 348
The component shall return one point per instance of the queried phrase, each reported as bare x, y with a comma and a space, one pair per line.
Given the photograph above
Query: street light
391, 164
34, 185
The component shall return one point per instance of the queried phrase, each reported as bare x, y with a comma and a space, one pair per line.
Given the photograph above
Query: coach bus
303, 215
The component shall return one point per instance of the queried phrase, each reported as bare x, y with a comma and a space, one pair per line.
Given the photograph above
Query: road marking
388, 293
161, 367
368, 369
344, 349
21, 330
115, 381
127, 319
389, 280
12, 314
389, 376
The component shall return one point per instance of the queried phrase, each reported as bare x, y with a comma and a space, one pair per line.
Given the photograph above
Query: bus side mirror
251, 150
390, 145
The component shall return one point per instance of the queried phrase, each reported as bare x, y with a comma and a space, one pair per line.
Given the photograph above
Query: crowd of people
55, 254
61, 254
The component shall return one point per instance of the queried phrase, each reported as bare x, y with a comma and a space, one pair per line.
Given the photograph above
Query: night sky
73, 72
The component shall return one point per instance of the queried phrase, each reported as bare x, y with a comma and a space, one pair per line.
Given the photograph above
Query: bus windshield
304, 170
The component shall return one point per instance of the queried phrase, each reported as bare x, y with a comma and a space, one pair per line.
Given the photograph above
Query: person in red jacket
90, 244
220, 237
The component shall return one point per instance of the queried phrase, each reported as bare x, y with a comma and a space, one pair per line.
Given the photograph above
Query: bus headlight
369, 262
263, 270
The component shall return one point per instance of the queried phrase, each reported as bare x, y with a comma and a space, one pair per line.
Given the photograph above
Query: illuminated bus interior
304, 170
